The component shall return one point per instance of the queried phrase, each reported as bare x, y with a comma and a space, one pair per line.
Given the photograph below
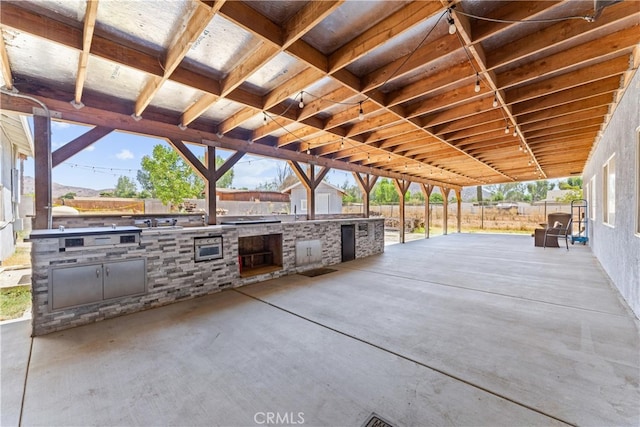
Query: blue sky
99, 166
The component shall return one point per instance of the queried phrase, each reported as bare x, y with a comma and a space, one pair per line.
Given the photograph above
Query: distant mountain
60, 190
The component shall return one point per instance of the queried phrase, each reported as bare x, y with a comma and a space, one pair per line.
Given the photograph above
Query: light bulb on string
389, 158
506, 130
301, 103
452, 25
308, 148
360, 112
342, 143
495, 101
368, 157
520, 147
477, 87
515, 131
264, 120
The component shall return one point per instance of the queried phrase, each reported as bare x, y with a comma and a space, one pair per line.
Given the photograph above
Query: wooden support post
42, 171
311, 181
210, 186
401, 187
426, 189
445, 209
459, 203
208, 172
366, 184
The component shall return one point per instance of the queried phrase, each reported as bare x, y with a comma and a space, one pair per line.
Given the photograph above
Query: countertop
74, 232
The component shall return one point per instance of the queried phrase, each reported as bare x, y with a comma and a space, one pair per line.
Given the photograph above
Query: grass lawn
14, 301
22, 256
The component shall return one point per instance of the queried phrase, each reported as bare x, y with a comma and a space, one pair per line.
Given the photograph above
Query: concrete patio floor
465, 330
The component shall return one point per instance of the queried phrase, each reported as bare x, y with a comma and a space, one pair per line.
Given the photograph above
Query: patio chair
560, 231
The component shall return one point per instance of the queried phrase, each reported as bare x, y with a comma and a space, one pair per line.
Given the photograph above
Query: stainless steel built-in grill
100, 237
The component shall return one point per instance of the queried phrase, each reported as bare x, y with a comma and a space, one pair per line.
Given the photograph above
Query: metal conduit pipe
14, 93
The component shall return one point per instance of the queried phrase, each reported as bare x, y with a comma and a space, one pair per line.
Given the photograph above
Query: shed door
322, 203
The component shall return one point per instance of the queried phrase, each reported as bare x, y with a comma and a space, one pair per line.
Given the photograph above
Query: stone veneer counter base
171, 273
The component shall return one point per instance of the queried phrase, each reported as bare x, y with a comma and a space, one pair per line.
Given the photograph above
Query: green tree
125, 187
352, 193
436, 198
384, 192
571, 184
171, 178
227, 179
68, 196
538, 189
145, 182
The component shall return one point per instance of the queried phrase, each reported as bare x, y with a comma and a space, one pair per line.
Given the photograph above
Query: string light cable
588, 18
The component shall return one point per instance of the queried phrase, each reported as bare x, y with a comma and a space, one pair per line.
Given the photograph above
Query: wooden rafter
179, 48
87, 37
78, 144
4, 61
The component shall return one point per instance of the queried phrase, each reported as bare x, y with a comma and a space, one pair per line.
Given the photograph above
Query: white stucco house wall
15, 142
328, 199
612, 188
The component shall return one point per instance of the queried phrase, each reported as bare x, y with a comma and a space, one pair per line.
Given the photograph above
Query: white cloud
90, 148
59, 125
125, 154
56, 144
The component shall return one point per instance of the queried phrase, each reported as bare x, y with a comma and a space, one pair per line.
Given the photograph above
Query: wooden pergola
444, 94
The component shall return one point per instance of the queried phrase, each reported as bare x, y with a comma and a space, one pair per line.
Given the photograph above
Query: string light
389, 157
515, 131
308, 148
301, 103
506, 130
520, 147
264, 120
451, 22
495, 101
477, 87
342, 143
361, 112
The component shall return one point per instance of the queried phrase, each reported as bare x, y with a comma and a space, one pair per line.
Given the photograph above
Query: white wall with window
612, 171
638, 181
609, 191
592, 198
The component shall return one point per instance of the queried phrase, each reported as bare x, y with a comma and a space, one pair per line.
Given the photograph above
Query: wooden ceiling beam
559, 33
161, 129
91, 12
513, 11
399, 22
428, 52
572, 99
478, 53
470, 109
578, 127
616, 46
594, 102
572, 118
556, 84
4, 62
198, 21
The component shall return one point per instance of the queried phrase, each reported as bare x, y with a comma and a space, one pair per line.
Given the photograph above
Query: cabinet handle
97, 272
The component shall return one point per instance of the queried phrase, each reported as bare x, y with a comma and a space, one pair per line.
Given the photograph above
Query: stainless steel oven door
208, 248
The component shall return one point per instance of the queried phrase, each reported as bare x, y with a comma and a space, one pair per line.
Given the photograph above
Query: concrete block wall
172, 273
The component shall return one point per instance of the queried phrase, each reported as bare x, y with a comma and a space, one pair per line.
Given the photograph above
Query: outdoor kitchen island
84, 275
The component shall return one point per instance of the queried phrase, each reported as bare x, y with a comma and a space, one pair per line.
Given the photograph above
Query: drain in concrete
375, 420
317, 272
